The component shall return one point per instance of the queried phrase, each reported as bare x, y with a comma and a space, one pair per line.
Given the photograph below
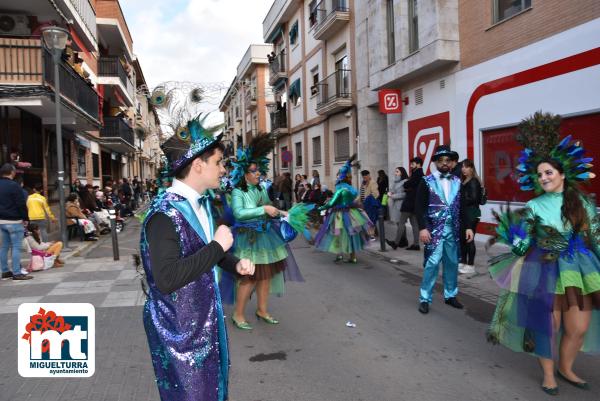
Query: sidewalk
479, 285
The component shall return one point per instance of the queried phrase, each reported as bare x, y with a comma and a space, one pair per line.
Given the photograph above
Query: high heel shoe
352, 260
550, 390
338, 258
579, 385
267, 319
241, 325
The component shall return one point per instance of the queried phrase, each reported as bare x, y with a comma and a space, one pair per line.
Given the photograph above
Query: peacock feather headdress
539, 135
346, 169
256, 152
178, 107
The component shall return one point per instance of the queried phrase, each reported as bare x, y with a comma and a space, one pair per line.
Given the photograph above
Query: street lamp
55, 40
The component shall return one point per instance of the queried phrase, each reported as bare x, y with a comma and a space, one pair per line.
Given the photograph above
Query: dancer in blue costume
257, 235
346, 228
437, 209
549, 304
183, 315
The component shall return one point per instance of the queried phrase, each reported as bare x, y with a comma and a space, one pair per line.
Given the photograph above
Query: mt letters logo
56, 340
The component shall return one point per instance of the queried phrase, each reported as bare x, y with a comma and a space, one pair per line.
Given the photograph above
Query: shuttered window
316, 149
342, 144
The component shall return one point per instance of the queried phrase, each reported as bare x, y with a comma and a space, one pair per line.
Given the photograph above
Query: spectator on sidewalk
297, 182
39, 211
285, 188
75, 215
369, 193
315, 179
470, 195
44, 249
13, 212
396, 196
407, 210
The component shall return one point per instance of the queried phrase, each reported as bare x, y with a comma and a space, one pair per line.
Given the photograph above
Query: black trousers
467, 249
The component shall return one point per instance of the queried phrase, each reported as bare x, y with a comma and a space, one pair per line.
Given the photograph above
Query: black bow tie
446, 176
203, 201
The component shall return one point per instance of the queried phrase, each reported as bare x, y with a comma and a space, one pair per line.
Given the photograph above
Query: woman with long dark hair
550, 294
470, 195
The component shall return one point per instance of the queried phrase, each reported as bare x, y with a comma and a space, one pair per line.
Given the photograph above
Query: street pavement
393, 353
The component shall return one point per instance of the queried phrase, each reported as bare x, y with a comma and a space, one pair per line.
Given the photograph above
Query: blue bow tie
446, 176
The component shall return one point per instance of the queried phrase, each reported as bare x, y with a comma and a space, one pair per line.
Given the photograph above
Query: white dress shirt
182, 189
444, 183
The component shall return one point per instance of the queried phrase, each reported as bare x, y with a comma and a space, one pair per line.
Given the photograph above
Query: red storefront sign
427, 133
390, 101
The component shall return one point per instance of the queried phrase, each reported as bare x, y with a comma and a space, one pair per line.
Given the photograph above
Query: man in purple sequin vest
183, 314
437, 209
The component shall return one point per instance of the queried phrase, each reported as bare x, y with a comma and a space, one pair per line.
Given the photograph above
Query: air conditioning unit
14, 24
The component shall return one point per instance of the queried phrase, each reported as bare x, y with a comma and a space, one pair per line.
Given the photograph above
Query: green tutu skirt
344, 230
532, 288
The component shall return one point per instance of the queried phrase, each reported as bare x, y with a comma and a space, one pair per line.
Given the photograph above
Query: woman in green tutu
256, 235
346, 228
549, 305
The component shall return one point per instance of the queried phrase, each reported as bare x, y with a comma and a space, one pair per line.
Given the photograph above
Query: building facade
469, 72
314, 88
98, 96
246, 101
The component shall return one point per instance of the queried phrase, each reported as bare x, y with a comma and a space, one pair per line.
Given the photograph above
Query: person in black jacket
407, 210
470, 195
13, 213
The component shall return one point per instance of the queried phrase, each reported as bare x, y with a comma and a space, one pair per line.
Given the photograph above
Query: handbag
385, 200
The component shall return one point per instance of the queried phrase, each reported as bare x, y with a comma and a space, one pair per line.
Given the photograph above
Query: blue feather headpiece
198, 138
539, 134
255, 153
345, 170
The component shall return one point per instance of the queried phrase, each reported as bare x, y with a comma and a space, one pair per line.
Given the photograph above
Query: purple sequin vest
185, 329
440, 212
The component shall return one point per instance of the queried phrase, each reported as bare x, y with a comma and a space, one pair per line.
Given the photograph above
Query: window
504, 9
391, 40
295, 93
413, 26
314, 89
81, 162
312, 16
316, 148
96, 165
284, 164
298, 154
342, 77
342, 144
294, 33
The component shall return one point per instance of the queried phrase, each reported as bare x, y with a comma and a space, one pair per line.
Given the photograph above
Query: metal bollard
113, 233
380, 220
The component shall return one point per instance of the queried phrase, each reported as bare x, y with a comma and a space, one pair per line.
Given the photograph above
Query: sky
193, 40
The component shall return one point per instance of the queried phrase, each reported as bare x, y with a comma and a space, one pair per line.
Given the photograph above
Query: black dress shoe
391, 243
413, 248
7, 275
403, 244
550, 390
453, 302
424, 308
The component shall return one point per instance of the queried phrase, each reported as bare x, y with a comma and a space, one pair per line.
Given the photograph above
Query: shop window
96, 165
81, 162
504, 9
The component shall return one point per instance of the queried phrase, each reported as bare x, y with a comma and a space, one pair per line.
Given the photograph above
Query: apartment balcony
279, 125
117, 135
111, 72
332, 16
334, 93
277, 68
251, 98
27, 76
